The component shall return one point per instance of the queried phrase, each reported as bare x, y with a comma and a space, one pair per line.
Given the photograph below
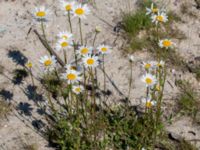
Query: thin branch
49, 49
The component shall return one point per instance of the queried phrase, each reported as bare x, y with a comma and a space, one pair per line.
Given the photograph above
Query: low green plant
77, 110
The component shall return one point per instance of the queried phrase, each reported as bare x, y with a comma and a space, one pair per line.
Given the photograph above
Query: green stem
43, 31
130, 82
104, 77
95, 36
70, 23
65, 56
94, 102
81, 35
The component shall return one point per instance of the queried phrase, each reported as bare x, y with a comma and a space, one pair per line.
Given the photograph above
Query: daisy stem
157, 38
43, 30
94, 99
147, 95
70, 23
95, 36
130, 82
104, 77
81, 34
65, 56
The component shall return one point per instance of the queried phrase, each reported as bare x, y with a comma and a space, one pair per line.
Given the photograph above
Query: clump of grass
188, 99
134, 23
5, 108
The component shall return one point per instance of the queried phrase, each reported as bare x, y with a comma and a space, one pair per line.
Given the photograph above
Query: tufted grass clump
136, 22
188, 103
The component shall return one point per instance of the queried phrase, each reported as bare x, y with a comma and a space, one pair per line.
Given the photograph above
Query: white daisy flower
148, 102
161, 17
152, 10
48, 63
70, 67
149, 79
74, 67
81, 11
160, 64
63, 44
83, 50
72, 76
90, 61
67, 6
131, 58
104, 49
41, 13
64, 35
78, 89
148, 65
166, 43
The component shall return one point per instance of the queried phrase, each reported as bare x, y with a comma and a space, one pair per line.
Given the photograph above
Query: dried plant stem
31, 73
49, 48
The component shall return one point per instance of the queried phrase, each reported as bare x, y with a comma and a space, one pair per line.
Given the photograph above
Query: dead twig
49, 49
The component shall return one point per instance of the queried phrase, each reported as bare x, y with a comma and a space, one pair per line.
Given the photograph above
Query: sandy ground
15, 22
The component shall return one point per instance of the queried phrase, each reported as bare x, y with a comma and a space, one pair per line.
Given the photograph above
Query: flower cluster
87, 57
158, 16
152, 80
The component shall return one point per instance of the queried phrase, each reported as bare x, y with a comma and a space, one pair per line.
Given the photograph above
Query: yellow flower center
71, 76
147, 66
104, 49
79, 11
68, 7
41, 14
78, 89
90, 61
155, 10
84, 51
167, 43
148, 104
149, 80
64, 44
159, 65
48, 62
160, 18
